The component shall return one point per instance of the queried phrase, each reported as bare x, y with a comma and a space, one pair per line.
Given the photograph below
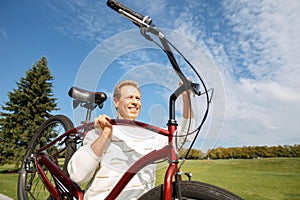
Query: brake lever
196, 88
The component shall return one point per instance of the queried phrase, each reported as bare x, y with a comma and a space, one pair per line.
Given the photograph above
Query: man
108, 151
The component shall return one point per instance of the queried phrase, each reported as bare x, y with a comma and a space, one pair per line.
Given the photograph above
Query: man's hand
102, 121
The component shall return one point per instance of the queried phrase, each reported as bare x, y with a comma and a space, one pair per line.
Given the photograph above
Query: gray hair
117, 90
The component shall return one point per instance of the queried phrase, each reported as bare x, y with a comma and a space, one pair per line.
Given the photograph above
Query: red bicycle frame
65, 186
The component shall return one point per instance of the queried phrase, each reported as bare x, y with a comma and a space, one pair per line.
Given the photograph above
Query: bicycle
44, 169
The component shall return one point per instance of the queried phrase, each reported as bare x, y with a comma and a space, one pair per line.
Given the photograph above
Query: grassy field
8, 181
274, 178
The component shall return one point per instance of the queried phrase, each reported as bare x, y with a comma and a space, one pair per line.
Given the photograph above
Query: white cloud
265, 34
263, 109
85, 20
260, 113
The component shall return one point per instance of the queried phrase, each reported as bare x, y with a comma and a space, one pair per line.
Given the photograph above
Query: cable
206, 92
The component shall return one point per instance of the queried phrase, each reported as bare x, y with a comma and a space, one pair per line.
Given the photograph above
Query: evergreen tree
28, 106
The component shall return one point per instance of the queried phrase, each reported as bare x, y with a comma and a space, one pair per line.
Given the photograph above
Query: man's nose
134, 100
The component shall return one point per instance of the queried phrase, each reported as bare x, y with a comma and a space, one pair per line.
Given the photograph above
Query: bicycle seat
82, 95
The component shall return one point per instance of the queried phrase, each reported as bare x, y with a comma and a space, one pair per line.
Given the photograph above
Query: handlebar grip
115, 5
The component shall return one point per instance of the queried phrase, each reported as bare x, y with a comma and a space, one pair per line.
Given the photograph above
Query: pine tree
28, 106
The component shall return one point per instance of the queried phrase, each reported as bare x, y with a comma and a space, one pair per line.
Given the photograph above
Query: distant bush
246, 152
250, 152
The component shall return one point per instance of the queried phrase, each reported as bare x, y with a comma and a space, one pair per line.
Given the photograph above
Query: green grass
8, 181
274, 178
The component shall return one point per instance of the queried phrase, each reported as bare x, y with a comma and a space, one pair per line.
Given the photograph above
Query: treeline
246, 152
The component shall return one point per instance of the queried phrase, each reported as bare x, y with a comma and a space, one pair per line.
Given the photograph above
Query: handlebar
136, 18
145, 23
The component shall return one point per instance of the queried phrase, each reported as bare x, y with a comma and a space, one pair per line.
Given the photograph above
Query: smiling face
129, 103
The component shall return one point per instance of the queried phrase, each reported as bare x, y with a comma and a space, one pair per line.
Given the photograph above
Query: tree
28, 106
193, 154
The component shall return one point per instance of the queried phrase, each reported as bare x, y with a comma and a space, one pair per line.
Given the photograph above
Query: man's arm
188, 120
87, 158
187, 107
84, 162
99, 144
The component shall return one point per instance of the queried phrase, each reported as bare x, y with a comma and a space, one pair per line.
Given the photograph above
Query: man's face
129, 104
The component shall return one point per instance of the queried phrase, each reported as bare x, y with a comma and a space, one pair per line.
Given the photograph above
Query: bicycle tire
192, 190
30, 185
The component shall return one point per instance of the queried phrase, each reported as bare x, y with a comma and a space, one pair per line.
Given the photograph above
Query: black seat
84, 96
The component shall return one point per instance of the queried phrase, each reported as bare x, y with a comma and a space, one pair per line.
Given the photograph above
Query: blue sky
247, 50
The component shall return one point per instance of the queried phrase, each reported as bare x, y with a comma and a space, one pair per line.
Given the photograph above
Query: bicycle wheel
192, 190
30, 185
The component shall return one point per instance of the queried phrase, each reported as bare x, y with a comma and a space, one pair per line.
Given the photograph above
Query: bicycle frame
64, 185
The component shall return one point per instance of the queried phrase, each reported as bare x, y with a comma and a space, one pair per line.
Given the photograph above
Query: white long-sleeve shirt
126, 146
